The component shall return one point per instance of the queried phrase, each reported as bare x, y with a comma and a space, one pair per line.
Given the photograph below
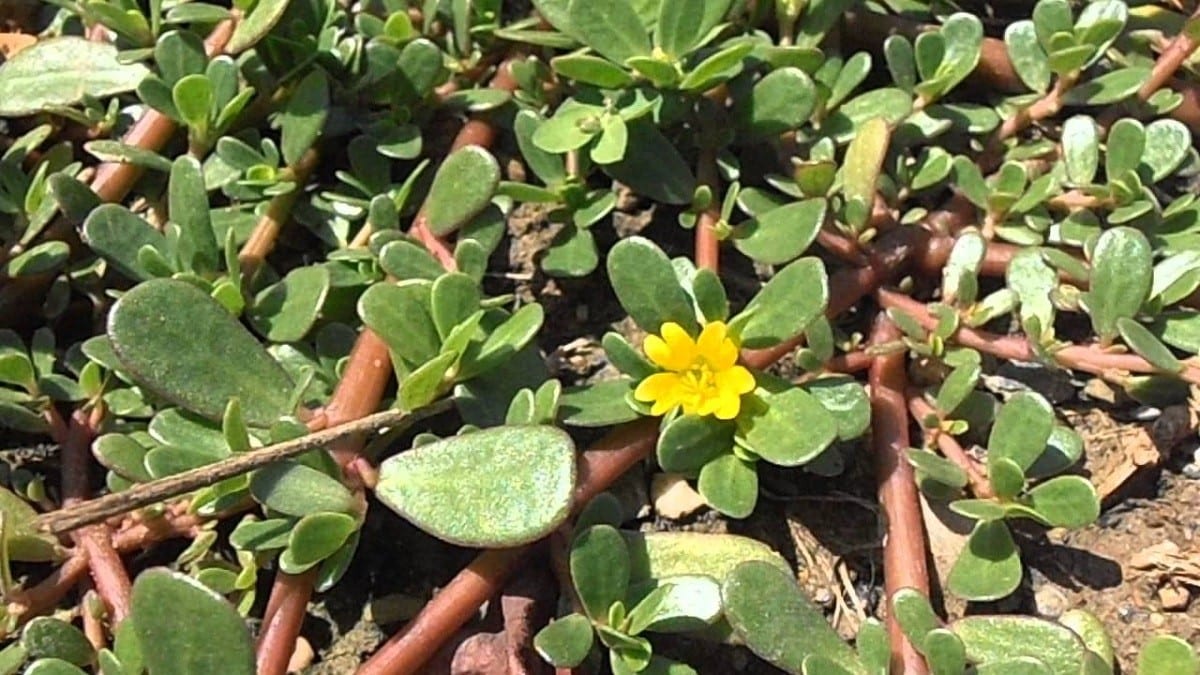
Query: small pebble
302, 656
673, 497
1146, 413
1174, 598
1098, 390
1050, 602
395, 608
1192, 471
1157, 619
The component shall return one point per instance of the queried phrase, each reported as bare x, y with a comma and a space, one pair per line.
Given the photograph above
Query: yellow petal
711, 339
736, 380
728, 407
656, 387
675, 350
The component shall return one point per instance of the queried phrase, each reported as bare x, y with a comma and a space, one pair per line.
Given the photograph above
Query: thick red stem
904, 546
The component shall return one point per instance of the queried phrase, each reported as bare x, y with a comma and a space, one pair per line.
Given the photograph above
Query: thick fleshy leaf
197, 247
729, 484
1141, 340
47, 637
945, 652
891, 103
1092, 631
989, 566
507, 338
646, 286
572, 253
1027, 56
175, 340
287, 310
610, 27
1168, 655
785, 306
1167, 143
782, 234
1108, 88
681, 604
121, 454
1066, 501
781, 101
591, 70
1000, 638
524, 493
53, 666
178, 621
1081, 149
1006, 477
303, 116
663, 555
1123, 151
599, 569
1122, 275
405, 260
770, 613
61, 72
652, 165
1021, 430
690, 441
297, 490
915, 614
789, 428
679, 27
565, 642
116, 234
316, 537
255, 26
462, 187
400, 314
932, 467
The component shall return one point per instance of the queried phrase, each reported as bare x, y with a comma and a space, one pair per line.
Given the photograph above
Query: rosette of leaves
779, 422
1026, 449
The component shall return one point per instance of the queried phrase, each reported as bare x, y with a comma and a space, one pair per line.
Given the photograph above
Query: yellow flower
701, 375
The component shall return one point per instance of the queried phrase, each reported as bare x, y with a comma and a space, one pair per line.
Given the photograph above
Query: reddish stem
904, 547
950, 448
284, 615
407, 651
708, 243
1089, 359
151, 132
358, 394
266, 231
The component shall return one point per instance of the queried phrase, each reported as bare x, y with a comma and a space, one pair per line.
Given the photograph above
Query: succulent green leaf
400, 314
1022, 428
591, 70
683, 604
178, 620
256, 25
729, 484
572, 253
297, 490
679, 27
197, 247
864, 160
523, 495
121, 454
989, 566
646, 286
944, 652
48, 637
194, 100
932, 467
565, 642
287, 310
652, 165
1108, 88
303, 116
1122, 274
1123, 151
785, 306
53, 666
1027, 56
600, 567
175, 340
610, 27
1081, 149
1066, 501
914, 614
782, 234
462, 187
1168, 655
1142, 341
116, 234
405, 260
788, 428
600, 404
691, 441
770, 613
1167, 144
61, 71
1006, 477
314, 538
1001, 638
665, 555
781, 101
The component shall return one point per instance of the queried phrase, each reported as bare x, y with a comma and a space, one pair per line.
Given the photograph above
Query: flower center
699, 381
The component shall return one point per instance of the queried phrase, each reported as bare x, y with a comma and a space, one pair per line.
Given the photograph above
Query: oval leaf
499, 487
175, 340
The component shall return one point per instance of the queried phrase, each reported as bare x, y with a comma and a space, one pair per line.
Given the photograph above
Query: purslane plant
289, 228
